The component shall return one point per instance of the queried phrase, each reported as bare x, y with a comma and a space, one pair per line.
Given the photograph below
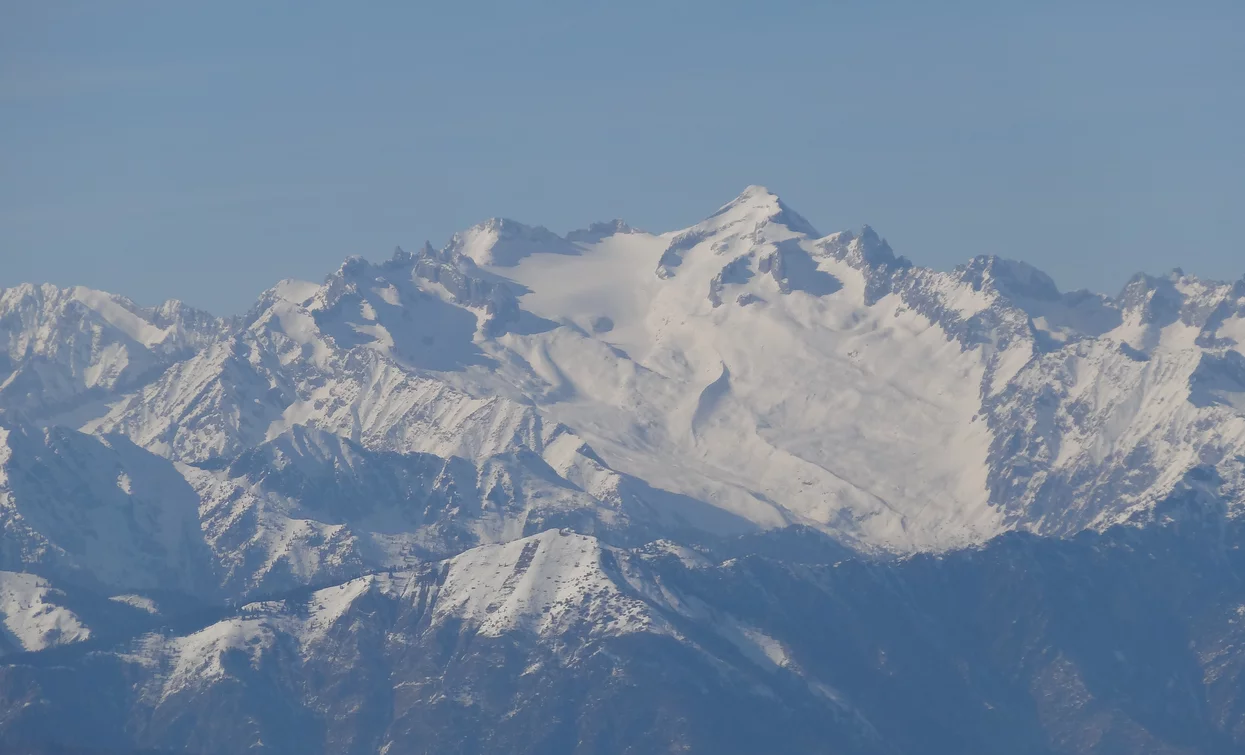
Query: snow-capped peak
864, 251
758, 204
1009, 277
58, 345
503, 242
754, 195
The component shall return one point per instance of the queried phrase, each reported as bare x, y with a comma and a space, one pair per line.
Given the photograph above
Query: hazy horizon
204, 153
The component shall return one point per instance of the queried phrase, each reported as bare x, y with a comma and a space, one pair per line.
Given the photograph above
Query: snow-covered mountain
528, 439
59, 347
756, 371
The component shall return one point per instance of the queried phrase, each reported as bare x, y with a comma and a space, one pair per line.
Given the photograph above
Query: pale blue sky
205, 150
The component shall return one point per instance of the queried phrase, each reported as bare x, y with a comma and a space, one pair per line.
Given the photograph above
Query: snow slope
548, 584
98, 510
743, 367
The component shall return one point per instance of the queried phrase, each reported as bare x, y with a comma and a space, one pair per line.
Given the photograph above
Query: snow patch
140, 602
32, 620
545, 584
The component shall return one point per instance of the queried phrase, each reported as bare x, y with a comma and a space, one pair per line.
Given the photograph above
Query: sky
203, 151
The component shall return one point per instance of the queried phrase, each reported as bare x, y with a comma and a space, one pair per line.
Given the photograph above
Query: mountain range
740, 487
